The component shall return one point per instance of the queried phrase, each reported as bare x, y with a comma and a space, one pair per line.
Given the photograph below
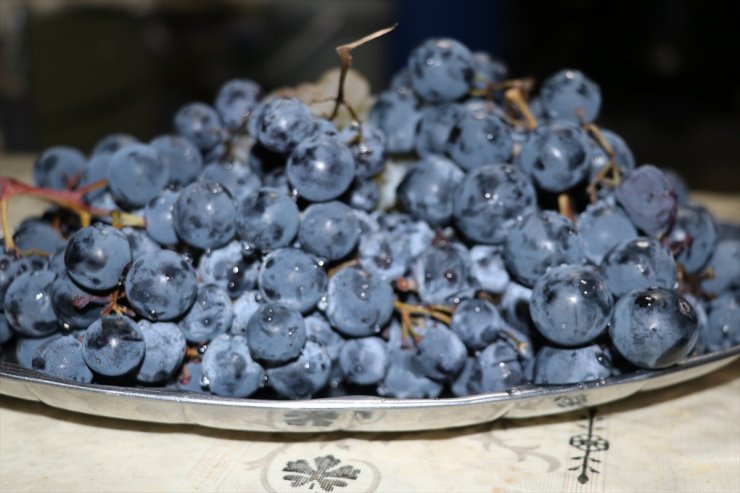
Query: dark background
73, 71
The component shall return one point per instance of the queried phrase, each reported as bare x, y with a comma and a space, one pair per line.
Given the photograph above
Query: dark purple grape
571, 305
559, 366
490, 200
59, 167
228, 367
441, 70
541, 240
638, 264
654, 328
28, 304
113, 346
428, 190
570, 95
204, 215
62, 357
304, 377
96, 256
648, 199
694, 235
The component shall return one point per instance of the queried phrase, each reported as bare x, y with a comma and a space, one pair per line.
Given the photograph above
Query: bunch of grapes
249, 253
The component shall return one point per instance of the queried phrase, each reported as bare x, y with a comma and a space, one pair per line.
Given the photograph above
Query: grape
228, 368
602, 226
696, 234
319, 331
139, 242
161, 285
136, 174
74, 307
304, 377
211, 314
440, 352
570, 95
479, 138
364, 361
441, 70
405, 379
159, 217
238, 179
488, 268
267, 219
321, 168
229, 269
6, 331
477, 323
679, 186
571, 305
96, 256
725, 266
95, 170
442, 274
557, 156
109, 144
165, 350
27, 347
723, 326
113, 346
293, 278
490, 200
638, 263
396, 114
10, 267
180, 155
28, 304
359, 302
648, 199
515, 307
61, 357
235, 100
244, 307
558, 366
495, 369
435, 125
37, 236
488, 70
623, 157
367, 144
653, 328
200, 124
191, 378
541, 240
204, 215
283, 123
329, 230
384, 254
364, 195
59, 167
276, 333
428, 190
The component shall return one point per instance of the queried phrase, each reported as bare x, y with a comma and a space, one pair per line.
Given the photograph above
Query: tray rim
15, 373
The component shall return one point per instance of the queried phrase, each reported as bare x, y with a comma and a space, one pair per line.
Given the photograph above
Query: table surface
683, 438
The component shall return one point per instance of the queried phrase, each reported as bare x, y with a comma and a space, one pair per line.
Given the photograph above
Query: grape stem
565, 206
114, 306
345, 59
516, 100
609, 175
407, 311
68, 199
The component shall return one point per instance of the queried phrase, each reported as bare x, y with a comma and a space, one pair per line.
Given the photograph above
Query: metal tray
348, 413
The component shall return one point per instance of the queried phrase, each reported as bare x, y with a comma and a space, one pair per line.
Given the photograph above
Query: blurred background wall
72, 71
